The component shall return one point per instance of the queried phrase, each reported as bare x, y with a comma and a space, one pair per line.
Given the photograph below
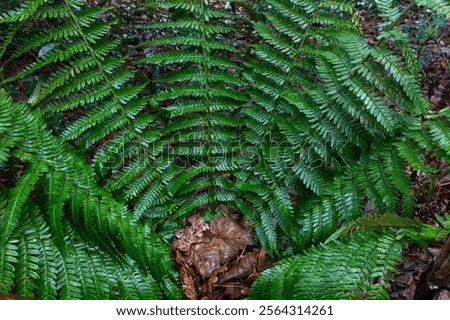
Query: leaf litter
217, 259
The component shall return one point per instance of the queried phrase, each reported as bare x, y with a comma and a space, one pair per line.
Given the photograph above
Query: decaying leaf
213, 260
248, 264
188, 282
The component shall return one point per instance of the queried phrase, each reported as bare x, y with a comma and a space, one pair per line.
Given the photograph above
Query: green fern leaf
334, 271
17, 199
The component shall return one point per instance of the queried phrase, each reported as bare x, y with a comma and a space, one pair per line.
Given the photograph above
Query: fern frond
93, 213
199, 96
440, 133
377, 222
8, 258
440, 6
335, 271
26, 9
17, 199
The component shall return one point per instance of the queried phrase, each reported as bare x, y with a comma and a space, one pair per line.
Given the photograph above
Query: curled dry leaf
250, 263
212, 259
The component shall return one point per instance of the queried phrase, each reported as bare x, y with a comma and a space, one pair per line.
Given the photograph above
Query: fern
92, 212
294, 129
340, 106
438, 6
17, 199
334, 271
196, 99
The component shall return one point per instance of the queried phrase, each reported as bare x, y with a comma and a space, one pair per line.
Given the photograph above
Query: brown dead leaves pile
212, 259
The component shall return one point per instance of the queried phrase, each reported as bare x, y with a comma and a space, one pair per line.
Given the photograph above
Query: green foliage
296, 128
337, 270
357, 262
196, 97
440, 6
81, 271
90, 214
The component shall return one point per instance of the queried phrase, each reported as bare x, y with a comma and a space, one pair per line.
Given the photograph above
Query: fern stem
210, 143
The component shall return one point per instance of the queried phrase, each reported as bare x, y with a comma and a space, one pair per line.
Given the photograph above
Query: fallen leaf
212, 258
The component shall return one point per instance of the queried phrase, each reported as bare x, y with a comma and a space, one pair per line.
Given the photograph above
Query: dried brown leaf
231, 232
247, 264
210, 254
188, 283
